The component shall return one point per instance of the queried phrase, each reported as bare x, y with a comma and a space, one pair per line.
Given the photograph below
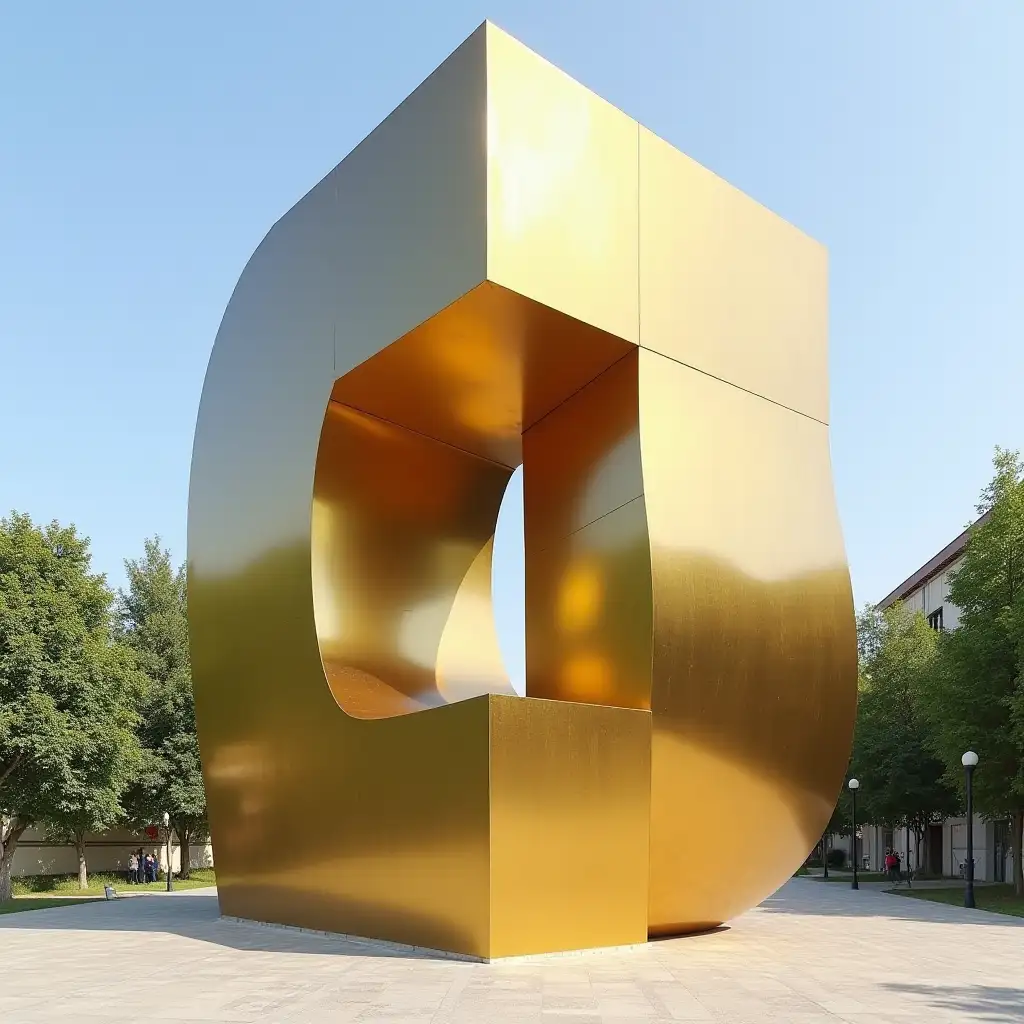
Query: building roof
932, 567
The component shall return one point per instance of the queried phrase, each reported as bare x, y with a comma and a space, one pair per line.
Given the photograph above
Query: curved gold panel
753, 701
402, 532
510, 271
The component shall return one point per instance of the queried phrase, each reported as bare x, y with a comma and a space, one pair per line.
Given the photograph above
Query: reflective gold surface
508, 270
727, 286
753, 693
588, 563
402, 532
562, 191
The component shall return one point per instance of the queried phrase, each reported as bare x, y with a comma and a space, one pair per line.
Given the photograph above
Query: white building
927, 590
944, 849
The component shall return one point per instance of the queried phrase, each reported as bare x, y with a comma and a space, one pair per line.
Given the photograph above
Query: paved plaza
814, 952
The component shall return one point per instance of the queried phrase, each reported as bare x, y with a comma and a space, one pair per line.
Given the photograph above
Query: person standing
890, 865
133, 868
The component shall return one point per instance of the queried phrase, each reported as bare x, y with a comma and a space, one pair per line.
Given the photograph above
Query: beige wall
954, 849
106, 852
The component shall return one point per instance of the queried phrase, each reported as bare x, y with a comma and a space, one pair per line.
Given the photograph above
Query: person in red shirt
891, 865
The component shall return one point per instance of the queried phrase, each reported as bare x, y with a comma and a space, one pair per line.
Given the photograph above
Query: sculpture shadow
196, 915
688, 936
834, 899
979, 1002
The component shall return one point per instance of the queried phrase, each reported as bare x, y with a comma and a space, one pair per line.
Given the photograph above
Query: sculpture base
547, 851
386, 948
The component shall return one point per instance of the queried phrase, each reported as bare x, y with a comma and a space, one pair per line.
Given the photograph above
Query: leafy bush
837, 858
27, 884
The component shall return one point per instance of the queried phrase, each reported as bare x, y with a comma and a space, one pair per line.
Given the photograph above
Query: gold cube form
509, 270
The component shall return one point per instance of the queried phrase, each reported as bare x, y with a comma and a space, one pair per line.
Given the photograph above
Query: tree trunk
10, 833
1016, 823
6, 892
184, 856
83, 870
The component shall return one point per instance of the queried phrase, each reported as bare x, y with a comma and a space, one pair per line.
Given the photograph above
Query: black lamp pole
969, 761
854, 785
853, 884
167, 827
908, 856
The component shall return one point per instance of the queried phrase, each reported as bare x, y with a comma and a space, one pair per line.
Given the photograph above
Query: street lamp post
908, 854
970, 762
854, 785
167, 829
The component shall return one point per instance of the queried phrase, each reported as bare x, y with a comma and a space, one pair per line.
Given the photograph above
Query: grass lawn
67, 885
847, 877
999, 899
39, 903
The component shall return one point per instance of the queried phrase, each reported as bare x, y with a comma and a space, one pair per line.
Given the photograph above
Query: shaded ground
810, 954
16, 906
847, 876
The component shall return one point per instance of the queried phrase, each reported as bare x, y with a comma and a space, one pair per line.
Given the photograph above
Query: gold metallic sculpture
509, 270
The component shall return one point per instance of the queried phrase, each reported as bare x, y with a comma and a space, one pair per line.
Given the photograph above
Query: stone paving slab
812, 953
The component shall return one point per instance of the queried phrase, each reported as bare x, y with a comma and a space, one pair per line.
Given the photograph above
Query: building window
935, 620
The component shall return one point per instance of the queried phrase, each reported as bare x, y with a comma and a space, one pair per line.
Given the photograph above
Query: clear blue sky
145, 150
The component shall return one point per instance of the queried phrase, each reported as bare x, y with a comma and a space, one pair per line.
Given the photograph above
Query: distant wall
992, 859
107, 851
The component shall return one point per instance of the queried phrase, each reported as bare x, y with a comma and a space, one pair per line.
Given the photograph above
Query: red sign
152, 831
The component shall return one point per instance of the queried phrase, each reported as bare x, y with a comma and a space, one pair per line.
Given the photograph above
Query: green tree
103, 755
977, 701
840, 824
154, 623
903, 782
67, 691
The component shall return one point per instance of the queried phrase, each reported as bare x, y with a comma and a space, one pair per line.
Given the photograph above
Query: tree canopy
926, 697
68, 690
976, 700
153, 621
97, 720
904, 782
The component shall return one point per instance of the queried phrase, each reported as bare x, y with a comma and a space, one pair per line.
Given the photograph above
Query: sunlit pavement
813, 952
